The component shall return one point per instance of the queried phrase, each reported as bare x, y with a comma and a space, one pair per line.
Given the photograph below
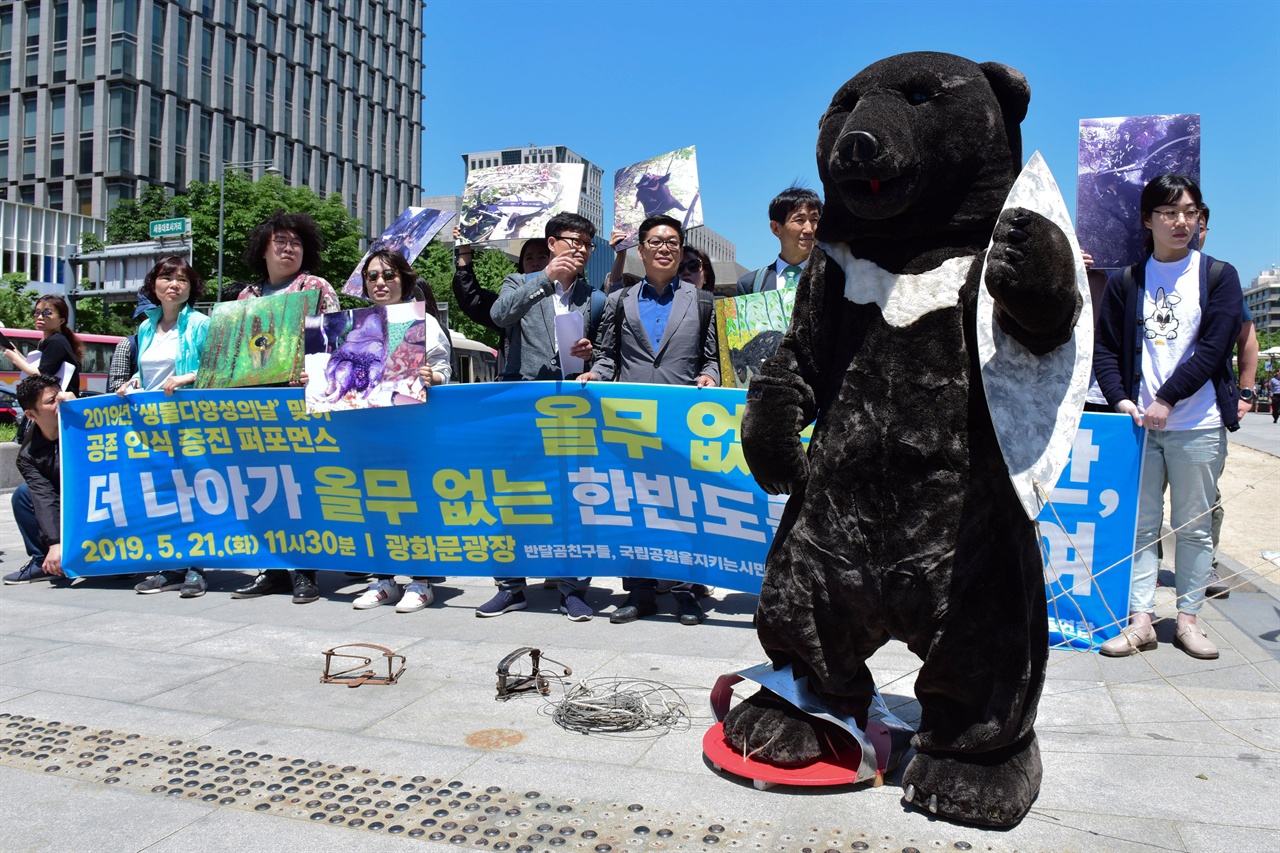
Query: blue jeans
1191, 461
567, 586
24, 513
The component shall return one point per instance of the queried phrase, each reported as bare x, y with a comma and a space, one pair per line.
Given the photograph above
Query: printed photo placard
663, 185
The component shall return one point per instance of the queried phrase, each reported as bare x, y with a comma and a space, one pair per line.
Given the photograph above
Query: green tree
113, 318
16, 300
435, 264
248, 204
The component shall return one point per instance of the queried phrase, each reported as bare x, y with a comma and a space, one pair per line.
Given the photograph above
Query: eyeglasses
655, 244
1171, 216
576, 243
387, 275
282, 243
43, 312
694, 265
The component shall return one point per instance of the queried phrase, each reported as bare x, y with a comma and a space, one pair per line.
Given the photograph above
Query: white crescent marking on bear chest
903, 299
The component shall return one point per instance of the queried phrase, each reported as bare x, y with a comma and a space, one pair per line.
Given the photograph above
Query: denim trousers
567, 586
24, 513
1190, 460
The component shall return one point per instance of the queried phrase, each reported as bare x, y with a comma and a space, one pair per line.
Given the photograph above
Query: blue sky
746, 82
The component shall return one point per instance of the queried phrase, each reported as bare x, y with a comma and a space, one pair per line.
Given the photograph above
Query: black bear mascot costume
902, 521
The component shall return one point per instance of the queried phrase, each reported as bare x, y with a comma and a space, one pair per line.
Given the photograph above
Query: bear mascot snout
902, 521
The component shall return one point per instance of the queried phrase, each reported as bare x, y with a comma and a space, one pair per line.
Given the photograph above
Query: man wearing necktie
793, 219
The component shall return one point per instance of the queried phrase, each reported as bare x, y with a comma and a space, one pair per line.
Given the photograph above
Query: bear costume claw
768, 728
995, 789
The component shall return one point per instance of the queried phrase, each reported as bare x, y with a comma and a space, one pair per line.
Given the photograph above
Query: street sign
161, 228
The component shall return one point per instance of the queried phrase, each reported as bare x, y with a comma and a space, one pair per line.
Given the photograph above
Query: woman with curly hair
283, 251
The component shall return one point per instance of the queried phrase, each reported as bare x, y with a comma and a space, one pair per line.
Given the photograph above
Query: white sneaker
417, 596
380, 591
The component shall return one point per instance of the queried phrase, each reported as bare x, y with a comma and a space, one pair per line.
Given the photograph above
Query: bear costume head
919, 151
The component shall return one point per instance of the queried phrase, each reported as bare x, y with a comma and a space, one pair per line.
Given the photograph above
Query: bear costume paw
1031, 275
986, 789
767, 728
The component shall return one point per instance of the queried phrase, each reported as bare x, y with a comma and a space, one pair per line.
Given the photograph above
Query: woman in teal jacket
169, 344
172, 337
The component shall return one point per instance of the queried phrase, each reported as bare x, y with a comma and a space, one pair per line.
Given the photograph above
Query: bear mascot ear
1014, 94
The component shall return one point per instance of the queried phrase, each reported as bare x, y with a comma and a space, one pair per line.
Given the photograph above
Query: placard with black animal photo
1118, 157
515, 202
367, 358
408, 235
254, 342
666, 185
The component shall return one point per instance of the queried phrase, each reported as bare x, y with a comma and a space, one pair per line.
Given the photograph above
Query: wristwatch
1246, 394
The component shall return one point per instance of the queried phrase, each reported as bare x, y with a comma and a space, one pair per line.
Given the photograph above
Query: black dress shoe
305, 590
633, 610
691, 612
264, 584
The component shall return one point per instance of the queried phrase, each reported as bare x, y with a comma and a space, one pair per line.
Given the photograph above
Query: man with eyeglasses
659, 331
793, 219
526, 310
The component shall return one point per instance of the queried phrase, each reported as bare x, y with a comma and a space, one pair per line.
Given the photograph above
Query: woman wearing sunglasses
60, 346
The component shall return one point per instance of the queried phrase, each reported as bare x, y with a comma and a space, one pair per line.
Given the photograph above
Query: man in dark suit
526, 311
661, 330
793, 219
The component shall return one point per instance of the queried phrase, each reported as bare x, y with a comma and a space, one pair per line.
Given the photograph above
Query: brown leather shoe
1192, 640
1133, 639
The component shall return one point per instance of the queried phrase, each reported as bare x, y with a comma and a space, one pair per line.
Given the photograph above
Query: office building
1263, 298
37, 241
107, 96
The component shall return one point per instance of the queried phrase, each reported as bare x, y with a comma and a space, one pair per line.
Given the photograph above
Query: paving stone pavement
1154, 752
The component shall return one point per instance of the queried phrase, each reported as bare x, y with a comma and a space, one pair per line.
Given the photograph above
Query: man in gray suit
793, 219
661, 330
526, 311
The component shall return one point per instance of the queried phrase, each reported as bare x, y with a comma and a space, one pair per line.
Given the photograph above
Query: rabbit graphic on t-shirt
1162, 323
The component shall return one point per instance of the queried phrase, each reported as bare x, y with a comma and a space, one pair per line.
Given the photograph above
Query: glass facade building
104, 97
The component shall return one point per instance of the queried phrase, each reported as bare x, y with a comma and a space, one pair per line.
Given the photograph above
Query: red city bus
98, 350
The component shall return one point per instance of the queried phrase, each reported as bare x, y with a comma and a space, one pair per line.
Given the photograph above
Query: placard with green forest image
750, 328
254, 342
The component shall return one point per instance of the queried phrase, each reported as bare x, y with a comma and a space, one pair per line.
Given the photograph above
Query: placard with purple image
515, 202
365, 358
408, 235
665, 185
1118, 157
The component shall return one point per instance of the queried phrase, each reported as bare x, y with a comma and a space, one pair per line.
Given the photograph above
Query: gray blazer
626, 354
525, 311
770, 280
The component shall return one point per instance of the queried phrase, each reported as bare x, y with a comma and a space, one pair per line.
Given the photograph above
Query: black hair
411, 286
652, 222
168, 267
30, 390
533, 241
1204, 214
299, 223
60, 305
1165, 189
790, 199
708, 271
563, 222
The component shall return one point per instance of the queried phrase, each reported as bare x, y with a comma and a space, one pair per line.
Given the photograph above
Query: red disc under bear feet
840, 768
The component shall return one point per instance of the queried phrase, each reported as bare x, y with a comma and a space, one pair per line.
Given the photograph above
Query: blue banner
523, 478
491, 479
1087, 532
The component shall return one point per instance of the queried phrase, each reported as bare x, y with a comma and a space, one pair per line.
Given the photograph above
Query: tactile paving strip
410, 806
